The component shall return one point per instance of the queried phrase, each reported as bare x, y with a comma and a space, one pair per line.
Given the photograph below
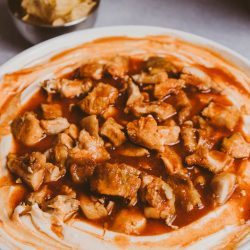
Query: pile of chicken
153, 127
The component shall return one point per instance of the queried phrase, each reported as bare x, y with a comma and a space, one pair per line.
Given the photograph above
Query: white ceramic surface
45, 50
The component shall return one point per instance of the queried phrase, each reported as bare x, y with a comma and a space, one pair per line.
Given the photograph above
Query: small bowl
38, 32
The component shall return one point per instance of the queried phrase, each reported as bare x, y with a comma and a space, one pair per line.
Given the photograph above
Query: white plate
45, 50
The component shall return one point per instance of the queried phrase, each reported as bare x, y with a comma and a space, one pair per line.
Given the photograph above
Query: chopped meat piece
157, 63
151, 78
132, 151
93, 145
99, 99
188, 135
51, 111
184, 106
26, 128
222, 116
55, 126
186, 193
60, 153
62, 207
236, 146
145, 133
91, 124
67, 88
39, 196
168, 87
213, 160
243, 173
65, 139
158, 196
53, 172
113, 130
95, 208
93, 70
72, 131
129, 221
198, 78
117, 66
161, 110
223, 185
31, 168
82, 165
169, 135
111, 111
117, 180
173, 163
134, 94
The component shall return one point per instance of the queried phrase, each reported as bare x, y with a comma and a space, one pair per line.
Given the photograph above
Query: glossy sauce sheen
150, 164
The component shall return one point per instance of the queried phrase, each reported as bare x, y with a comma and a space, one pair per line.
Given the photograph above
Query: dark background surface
224, 21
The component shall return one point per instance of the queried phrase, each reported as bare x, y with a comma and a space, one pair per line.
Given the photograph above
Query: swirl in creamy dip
218, 87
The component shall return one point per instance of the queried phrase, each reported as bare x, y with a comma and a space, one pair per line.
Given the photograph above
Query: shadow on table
9, 35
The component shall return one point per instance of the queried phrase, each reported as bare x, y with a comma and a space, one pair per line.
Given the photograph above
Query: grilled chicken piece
222, 116
117, 66
65, 139
93, 145
53, 172
116, 180
26, 129
186, 193
82, 165
134, 94
132, 151
55, 126
159, 198
161, 110
157, 64
150, 78
95, 208
169, 135
40, 196
213, 160
198, 78
113, 131
91, 124
236, 146
173, 163
129, 221
188, 135
31, 168
67, 88
243, 173
92, 70
51, 111
62, 207
184, 106
72, 131
223, 185
170, 86
99, 99
145, 133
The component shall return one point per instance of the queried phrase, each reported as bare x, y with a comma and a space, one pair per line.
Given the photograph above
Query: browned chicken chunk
67, 88
169, 135
134, 94
95, 208
26, 128
236, 146
145, 133
92, 70
55, 126
213, 160
150, 78
117, 66
159, 197
188, 135
223, 185
222, 116
129, 221
132, 151
99, 99
51, 111
117, 180
168, 87
31, 168
91, 124
113, 131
